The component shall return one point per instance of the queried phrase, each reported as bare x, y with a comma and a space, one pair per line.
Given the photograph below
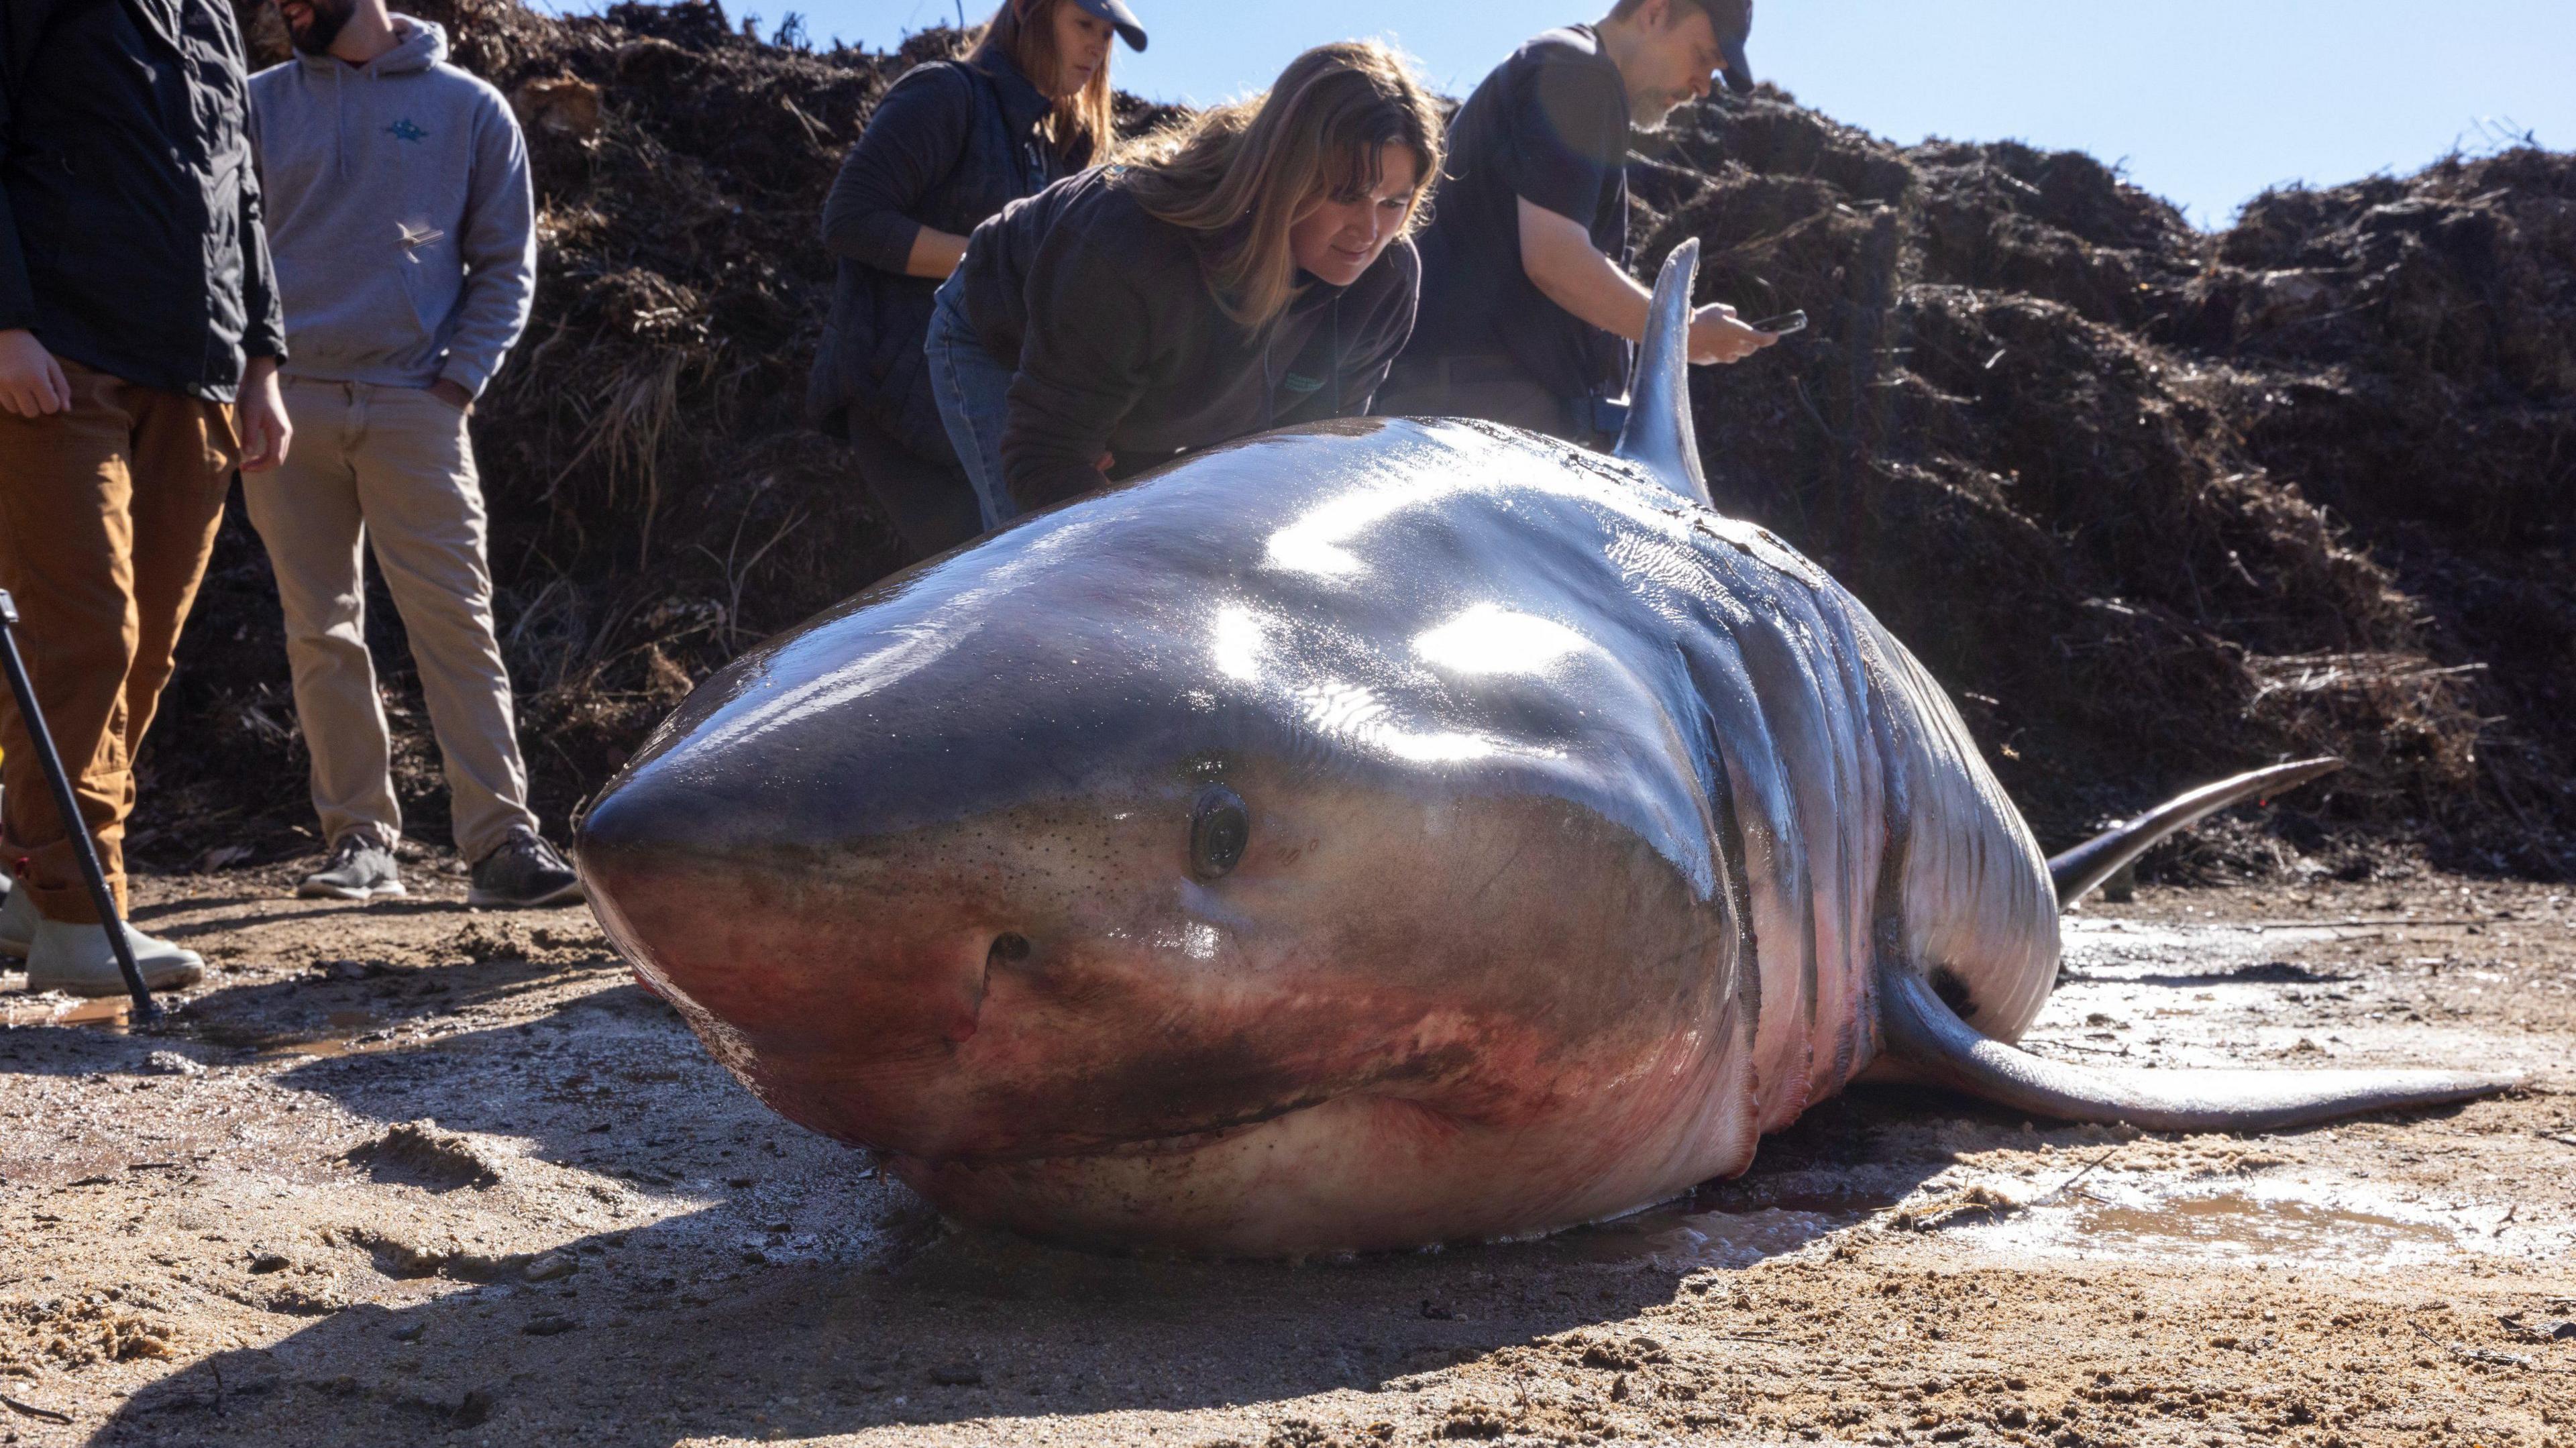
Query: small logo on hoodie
404, 130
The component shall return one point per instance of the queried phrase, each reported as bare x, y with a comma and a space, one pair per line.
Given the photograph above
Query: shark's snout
839, 983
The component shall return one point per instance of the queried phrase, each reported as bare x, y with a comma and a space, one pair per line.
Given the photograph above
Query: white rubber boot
78, 959
18, 923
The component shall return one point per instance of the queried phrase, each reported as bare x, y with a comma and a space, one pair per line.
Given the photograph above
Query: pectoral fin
1922, 1033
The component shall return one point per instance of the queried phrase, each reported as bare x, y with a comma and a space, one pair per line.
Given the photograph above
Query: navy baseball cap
1738, 70
1130, 29
1735, 24
1733, 21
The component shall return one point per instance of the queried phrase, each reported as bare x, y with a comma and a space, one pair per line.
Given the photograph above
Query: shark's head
1257, 858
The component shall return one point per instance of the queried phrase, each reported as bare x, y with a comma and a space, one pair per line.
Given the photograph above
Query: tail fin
1659, 436
2079, 870
1923, 1033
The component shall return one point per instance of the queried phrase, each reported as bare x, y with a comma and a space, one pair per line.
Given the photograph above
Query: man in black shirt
1527, 305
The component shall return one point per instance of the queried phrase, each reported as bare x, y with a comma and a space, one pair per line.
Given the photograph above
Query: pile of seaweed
2157, 504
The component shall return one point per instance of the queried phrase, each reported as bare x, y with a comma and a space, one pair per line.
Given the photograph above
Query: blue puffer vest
871, 355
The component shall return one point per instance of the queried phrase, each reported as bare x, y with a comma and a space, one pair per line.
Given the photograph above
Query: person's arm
1085, 364
264, 317
266, 431
1568, 130
934, 253
912, 142
258, 407
499, 248
31, 381
1562, 263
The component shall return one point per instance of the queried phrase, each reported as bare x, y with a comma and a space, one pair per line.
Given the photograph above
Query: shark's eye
1220, 828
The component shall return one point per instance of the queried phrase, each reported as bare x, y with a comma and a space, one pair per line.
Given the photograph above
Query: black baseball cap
1132, 30
1733, 21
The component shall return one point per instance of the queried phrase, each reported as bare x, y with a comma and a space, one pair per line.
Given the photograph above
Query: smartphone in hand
1781, 325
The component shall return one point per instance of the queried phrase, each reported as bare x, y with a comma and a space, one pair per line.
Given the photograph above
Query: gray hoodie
398, 212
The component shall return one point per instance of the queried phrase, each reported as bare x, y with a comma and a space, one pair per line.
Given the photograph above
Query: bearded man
403, 226
1528, 308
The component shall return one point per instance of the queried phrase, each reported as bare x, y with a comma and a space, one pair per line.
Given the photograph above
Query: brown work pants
107, 516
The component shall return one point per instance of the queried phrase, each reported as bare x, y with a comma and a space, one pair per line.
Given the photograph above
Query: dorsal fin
2089, 864
1658, 436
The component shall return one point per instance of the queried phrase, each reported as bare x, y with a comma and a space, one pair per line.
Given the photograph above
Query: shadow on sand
795, 1292
717, 1320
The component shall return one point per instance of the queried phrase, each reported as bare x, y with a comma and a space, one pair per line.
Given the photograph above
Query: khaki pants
391, 468
107, 516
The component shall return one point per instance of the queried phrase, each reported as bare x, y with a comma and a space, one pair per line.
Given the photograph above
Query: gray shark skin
1359, 836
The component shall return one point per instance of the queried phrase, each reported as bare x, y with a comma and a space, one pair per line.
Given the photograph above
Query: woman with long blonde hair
953, 142
1247, 269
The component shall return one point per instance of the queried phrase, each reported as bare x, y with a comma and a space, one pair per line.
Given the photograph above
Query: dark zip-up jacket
1120, 346
951, 144
130, 236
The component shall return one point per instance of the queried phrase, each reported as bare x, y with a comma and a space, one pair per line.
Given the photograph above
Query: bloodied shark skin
1361, 836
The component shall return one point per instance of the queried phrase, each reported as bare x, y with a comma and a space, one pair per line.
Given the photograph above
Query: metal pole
65, 801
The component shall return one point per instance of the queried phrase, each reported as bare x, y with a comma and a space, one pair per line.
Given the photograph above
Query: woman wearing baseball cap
952, 143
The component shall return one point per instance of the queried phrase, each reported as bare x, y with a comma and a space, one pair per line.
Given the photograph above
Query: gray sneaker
359, 869
524, 874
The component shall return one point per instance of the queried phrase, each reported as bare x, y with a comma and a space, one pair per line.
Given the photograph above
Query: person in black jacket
951, 144
1248, 269
139, 343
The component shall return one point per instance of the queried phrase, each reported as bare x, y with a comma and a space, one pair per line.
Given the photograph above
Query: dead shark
1362, 836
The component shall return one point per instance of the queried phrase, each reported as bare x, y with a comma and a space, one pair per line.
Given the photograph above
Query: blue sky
2206, 102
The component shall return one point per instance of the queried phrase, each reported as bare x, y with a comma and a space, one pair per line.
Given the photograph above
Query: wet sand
408, 1174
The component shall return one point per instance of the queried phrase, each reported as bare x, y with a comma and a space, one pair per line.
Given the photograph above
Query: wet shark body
1359, 836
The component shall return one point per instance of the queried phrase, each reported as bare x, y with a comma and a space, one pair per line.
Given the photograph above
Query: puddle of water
2284, 1222
352, 1033
2114, 948
2234, 1224
1680, 1241
2289, 1223
1731, 1224
110, 1013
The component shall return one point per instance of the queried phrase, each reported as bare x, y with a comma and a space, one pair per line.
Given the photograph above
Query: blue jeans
974, 393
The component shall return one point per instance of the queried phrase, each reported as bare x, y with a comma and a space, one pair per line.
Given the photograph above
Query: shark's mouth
1179, 1143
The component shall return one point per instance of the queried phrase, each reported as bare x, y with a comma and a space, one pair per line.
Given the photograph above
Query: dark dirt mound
2158, 504
2155, 501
